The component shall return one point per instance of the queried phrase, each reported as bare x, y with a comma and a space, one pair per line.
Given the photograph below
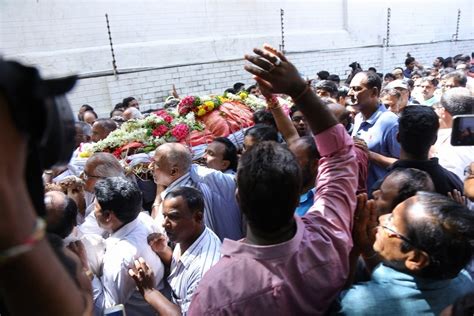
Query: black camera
41, 111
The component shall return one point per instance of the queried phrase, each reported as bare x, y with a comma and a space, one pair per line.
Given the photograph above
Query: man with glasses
98, 166
424, 244
299, 121
469, 185
455, 101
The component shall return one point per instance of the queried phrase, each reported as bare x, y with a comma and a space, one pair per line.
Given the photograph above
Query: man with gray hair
391, 99
455, 101
98, 166
172, 167
454, 79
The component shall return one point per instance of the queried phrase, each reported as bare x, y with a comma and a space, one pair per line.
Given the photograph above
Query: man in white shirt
117, 206
455, 101
98, 166
197, 250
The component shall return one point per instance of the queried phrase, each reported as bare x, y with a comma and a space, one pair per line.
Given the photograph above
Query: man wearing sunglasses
424, 244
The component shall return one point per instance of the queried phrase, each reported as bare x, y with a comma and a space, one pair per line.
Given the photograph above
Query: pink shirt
302, 275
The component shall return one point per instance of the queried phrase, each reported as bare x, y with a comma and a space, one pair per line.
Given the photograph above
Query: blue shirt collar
308, 195
371, 120
387, 274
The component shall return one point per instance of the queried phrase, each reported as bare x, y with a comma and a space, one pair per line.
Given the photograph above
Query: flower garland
144, 135
199, 105
163, 126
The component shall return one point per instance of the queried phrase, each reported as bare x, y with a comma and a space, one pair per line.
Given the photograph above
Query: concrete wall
198, 45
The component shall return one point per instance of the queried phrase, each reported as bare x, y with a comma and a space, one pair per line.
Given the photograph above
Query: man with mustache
374, 125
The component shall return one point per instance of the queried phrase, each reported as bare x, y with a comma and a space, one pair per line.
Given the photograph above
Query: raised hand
274, 73
365, 221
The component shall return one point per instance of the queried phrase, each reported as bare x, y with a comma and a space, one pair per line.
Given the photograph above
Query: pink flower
160, 131
164, 115
180, 131
186, 105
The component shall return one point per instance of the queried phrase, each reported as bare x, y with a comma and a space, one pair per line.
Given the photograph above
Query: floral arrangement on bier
200, 106
144, 135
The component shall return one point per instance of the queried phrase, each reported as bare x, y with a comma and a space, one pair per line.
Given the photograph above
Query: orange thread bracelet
37, 235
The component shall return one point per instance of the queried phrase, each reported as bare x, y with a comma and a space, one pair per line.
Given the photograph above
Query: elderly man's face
391, 102
90, 177
98, 132
392, 232
162, 171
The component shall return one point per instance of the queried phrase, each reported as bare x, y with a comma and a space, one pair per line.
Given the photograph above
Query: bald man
102, 128
172, 167
61, 212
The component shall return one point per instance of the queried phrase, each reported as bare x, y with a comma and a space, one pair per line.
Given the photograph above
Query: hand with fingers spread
143, 276
458, 197
365, 222
274, 73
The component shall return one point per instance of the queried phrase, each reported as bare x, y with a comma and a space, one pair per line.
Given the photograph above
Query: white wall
198, 45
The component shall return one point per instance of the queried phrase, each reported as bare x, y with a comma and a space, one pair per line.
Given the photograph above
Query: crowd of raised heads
351, 200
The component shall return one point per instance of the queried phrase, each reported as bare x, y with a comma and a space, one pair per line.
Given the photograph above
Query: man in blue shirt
307, 156
424, 245
173, 167
375, 125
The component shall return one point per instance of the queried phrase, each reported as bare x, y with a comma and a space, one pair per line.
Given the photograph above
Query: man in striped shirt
197, 250
173, 167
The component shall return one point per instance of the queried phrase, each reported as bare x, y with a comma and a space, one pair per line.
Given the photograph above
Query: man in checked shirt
197, 250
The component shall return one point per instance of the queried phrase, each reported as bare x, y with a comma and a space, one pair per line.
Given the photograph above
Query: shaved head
171, 161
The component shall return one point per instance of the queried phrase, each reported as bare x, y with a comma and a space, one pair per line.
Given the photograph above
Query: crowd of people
354, 203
